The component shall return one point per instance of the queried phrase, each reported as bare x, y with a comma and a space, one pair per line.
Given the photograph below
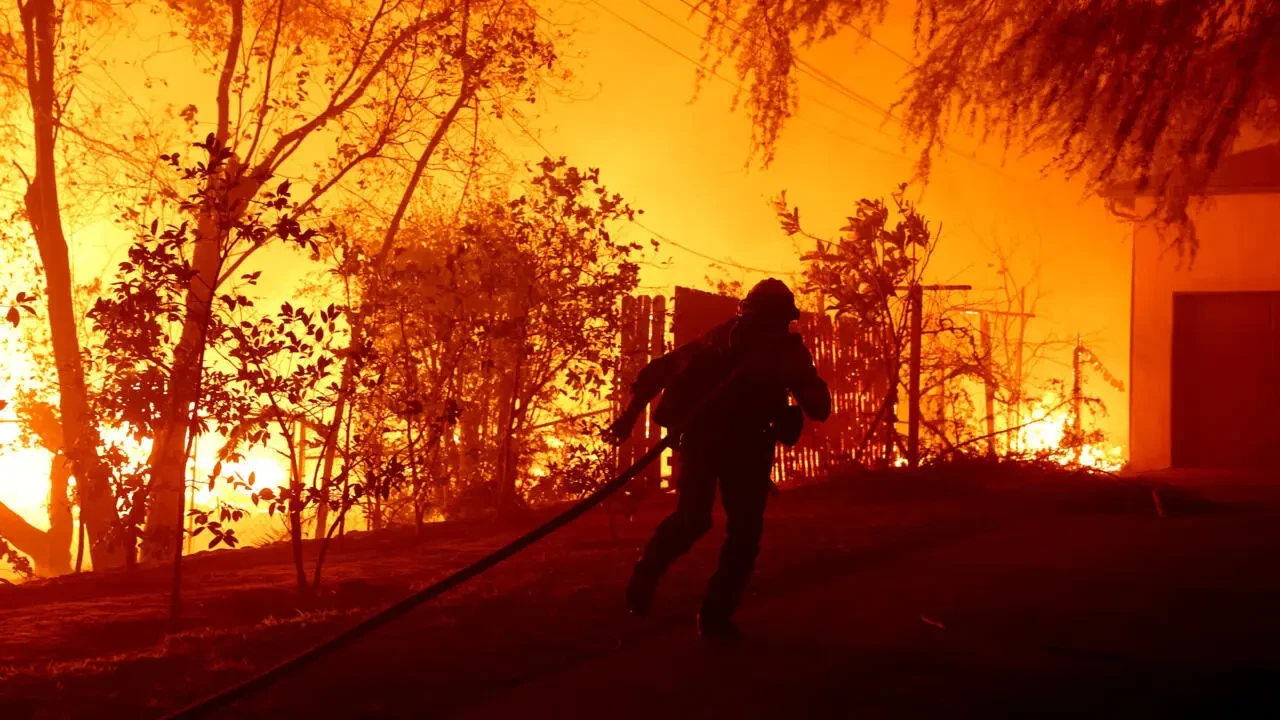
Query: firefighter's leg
744, 488
675, 535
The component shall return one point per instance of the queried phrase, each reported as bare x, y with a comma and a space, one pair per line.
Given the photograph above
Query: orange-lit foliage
383, 84
485, 326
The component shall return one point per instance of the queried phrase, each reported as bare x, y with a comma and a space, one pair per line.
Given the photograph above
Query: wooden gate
644, 337
843, 355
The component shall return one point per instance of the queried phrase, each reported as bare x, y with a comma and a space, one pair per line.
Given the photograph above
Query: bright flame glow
24, 474
24, 482
1045, 430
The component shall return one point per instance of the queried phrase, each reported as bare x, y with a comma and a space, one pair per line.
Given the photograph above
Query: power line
719, 261
829, 85
906, 60
808, 69
529, 134
813, 71
713, 73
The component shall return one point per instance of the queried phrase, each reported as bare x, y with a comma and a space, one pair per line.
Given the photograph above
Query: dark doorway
1226, 380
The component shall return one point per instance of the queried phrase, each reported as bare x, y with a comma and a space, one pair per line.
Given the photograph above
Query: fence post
1077, 400
916, 300
989, 382
657, 347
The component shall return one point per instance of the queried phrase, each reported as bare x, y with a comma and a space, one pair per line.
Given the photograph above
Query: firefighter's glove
620, 430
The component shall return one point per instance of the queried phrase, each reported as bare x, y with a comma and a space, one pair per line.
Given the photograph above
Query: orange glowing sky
629, 113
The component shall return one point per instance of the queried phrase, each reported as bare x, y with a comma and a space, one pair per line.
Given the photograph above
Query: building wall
1239, 251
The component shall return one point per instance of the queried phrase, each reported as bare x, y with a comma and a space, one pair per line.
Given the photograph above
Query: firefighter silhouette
726, 396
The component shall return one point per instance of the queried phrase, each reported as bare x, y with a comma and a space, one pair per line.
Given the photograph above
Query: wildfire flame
24, 474
24, 478
1044, 432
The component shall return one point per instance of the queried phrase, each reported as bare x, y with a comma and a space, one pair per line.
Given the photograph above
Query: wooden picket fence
843, 356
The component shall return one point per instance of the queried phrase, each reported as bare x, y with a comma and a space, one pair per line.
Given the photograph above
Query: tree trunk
415, 478
24, 536
61, 523
506, 491
79, 427
296, 483
330, 451
168, 459
50, 551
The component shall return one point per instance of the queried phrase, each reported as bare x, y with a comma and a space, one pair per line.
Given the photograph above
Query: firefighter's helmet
770, 297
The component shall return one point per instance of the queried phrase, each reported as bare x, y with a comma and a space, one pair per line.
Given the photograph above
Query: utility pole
915, 299
1077, 399
1023, 317
984, 316
822, 297
989, 383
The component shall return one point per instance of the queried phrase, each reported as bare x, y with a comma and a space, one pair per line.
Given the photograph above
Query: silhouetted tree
381, 83
862, 276
39, 60
409, 60
1148, 92
269, 369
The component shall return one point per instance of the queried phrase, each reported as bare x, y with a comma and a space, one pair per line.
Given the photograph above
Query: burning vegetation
453, 367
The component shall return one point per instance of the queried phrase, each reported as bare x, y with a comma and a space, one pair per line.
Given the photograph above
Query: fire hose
401, 608
235, 693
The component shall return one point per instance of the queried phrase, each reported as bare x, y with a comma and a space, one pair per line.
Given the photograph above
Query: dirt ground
974, 593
